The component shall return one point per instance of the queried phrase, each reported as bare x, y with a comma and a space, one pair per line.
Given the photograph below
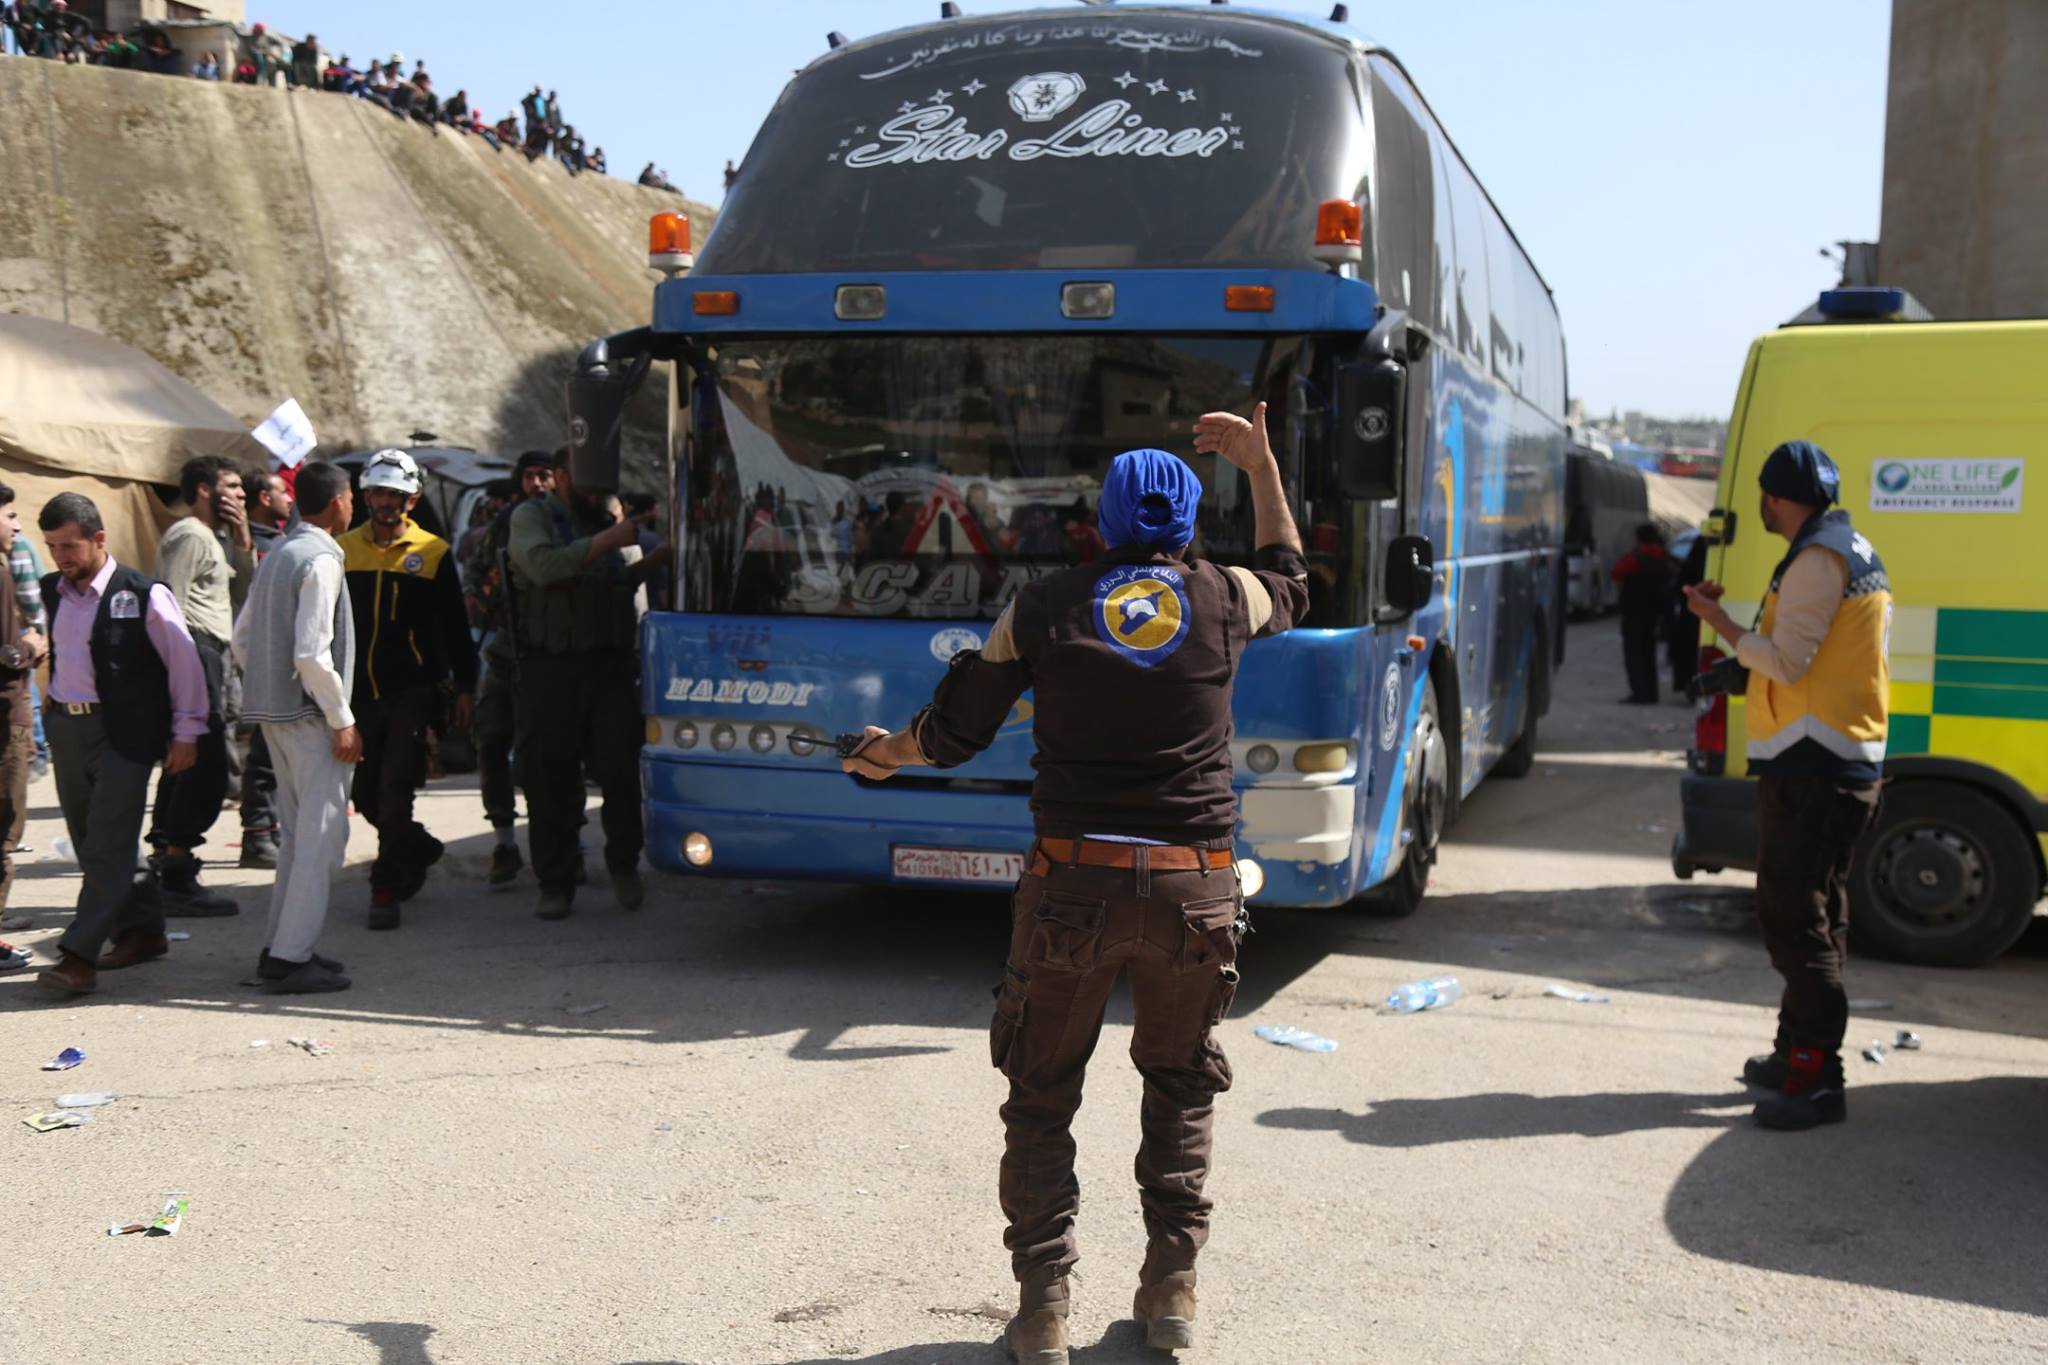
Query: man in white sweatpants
295, 641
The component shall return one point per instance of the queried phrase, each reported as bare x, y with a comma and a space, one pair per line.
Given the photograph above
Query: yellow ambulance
1935, 426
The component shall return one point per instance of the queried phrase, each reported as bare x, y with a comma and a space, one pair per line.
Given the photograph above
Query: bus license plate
915, 864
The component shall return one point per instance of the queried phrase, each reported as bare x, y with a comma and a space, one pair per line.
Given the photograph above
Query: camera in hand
1725, 676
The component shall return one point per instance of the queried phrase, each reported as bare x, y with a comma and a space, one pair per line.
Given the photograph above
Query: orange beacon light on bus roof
668, 243
1340, 232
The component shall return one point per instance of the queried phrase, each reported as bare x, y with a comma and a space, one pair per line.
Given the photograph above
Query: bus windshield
1110, 141
933, 476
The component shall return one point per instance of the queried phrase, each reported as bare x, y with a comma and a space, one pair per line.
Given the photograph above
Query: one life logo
1980, 485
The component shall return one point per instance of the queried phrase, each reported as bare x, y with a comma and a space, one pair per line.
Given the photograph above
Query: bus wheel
1422, 820
1945, 878
1520, 759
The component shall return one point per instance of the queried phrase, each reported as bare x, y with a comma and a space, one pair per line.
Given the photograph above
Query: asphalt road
756, 1123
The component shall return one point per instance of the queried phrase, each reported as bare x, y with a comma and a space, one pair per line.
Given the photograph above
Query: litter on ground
1286, 1035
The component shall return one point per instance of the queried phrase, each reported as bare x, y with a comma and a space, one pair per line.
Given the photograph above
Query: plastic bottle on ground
1411, 997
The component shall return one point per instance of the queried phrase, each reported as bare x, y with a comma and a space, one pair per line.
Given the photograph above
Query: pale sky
1672, 168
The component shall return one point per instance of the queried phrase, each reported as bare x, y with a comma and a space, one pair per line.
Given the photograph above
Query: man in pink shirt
126, 691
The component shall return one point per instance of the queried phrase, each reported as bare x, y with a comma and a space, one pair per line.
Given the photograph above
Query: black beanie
1801, 472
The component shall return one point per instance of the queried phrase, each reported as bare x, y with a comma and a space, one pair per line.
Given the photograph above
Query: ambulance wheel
1422, 821
1946, 877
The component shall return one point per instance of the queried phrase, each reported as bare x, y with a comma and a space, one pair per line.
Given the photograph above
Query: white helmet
391, 469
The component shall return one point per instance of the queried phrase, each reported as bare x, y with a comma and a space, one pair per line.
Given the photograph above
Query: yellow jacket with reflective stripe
1833, 721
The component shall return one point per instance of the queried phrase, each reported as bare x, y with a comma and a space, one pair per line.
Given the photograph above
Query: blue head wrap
1149, 496
1801, 472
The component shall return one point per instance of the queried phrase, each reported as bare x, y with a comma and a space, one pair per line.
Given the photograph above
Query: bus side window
1402, 219
1473, 312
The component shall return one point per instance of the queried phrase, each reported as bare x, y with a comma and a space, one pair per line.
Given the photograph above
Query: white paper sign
287, 434
1947, 485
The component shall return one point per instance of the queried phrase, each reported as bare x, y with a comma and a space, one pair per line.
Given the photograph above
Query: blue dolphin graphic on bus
893, 411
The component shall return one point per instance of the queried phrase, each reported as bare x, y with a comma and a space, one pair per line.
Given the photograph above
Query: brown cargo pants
1075, 928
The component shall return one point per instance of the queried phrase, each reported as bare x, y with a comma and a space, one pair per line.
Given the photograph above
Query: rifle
508, 600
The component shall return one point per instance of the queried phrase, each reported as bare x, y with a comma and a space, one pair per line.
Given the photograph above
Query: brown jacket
13, 681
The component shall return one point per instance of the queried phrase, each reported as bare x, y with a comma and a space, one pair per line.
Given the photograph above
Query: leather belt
1160, 857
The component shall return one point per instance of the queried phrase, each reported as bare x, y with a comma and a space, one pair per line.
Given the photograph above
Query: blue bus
963, 266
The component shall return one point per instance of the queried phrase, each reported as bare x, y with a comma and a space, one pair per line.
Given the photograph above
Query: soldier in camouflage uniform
577, 706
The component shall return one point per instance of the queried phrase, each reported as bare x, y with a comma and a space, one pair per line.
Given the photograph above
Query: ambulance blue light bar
1862, 301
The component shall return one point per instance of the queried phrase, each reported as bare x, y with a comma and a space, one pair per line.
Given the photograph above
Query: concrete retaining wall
266, 243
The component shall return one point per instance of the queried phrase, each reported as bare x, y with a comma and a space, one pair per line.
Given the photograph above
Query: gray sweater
290, 631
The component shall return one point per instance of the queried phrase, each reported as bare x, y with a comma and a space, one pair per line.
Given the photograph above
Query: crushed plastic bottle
1435, 993
1876, 1052
1286, 1035
1907, 1041
1563, 992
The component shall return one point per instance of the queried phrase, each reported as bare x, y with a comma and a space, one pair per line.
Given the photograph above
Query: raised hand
1241, 442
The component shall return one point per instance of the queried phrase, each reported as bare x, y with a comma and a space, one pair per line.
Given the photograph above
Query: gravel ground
756, 1123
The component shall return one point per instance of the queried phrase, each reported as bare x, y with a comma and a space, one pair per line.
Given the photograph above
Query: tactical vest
128, 675
589, 612
1833, 721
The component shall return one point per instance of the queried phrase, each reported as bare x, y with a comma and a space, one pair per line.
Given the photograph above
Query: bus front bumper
849, 845
1718, 830
786, 825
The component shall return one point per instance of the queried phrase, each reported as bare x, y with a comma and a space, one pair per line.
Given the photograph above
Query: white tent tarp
75, 402
80, 413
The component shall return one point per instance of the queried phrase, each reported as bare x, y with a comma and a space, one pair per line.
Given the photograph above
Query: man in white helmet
413, 656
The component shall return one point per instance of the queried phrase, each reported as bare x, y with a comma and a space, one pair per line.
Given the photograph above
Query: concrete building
1966, 157
123, 15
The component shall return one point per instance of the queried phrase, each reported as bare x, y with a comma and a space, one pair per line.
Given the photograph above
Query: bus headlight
686, 734
1088, 299
697, 849
723, 737
1249, 874
653, 730
1262, 758
761, 739
803, 743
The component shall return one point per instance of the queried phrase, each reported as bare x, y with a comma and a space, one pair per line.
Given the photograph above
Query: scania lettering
964, 266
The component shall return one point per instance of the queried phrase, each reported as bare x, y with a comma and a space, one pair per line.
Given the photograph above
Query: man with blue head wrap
1149, 496
1816, 721
1131, 659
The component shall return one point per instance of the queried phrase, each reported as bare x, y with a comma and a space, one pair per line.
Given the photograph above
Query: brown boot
1165, 1308
134, 947
1038, 1334
72, 975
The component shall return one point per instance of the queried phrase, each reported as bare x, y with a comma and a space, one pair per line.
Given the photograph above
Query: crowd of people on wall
52, 30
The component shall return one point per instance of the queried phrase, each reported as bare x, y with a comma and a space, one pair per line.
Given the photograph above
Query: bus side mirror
1372, 406
1411, 574
1719, 527
597, 393
1372, 409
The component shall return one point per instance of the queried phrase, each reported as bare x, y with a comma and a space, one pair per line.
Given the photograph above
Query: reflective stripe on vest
1841, 702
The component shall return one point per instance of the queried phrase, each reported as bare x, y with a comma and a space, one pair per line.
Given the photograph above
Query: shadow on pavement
1486, 1118
715, 960
1935, 1189
397, 1343
1122, 1344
